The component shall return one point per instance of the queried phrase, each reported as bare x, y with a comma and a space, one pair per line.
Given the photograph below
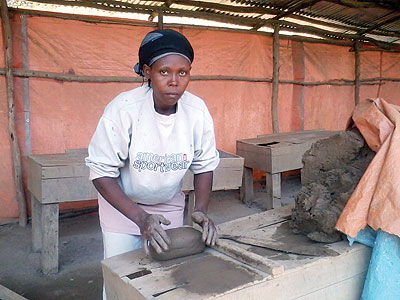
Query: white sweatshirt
149, 153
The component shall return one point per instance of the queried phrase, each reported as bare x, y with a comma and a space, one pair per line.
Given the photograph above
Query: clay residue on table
331, 170
212, 275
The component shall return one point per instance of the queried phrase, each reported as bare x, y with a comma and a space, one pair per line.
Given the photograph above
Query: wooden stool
54, 179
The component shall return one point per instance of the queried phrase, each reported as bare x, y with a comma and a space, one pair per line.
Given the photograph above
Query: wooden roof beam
301, 5
227, 8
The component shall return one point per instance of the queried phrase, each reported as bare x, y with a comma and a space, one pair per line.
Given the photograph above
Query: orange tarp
376, 199
64, 114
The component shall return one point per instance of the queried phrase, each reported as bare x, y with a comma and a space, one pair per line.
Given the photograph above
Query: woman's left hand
210, 235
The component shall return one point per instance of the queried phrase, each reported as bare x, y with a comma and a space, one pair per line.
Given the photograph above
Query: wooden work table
64, 177
274, 154
287, 267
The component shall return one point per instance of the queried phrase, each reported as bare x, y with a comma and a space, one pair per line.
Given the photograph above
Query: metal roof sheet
367, 20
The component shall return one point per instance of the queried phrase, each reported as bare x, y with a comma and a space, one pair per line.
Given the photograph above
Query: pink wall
65, 114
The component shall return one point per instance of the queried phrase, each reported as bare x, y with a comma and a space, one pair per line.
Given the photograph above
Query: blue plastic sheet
383, 277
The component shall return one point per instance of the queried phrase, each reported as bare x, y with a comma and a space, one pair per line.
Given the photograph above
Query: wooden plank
253, 222
79, 151
288, 134
227, 178
7, 294
69, 170
289, 137
286, 158
255, 157
350, 288
197, 277
67, 190
49, 222
227, 175
223, 179
136, 266
34, 178
116, 287
253, 259
335, 278
297, 136
59, 159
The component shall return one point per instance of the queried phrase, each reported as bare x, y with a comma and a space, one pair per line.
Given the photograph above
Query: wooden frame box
238, 271
274, 154
64, 177
227, 176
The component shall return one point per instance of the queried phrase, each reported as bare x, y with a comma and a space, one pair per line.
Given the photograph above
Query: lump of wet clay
184, 241
331, 170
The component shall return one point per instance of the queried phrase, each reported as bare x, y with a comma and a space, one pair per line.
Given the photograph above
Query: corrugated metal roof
366, 20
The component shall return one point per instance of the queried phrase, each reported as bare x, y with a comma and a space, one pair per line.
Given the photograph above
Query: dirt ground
81, 249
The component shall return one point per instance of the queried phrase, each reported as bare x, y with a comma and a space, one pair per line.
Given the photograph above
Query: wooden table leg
247, 188
49, 225
36, 224
273, 189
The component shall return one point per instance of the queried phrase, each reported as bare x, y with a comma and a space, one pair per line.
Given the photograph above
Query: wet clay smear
212, 275
332, 167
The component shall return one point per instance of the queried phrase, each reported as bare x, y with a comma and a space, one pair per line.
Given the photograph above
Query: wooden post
160, 23
16, 153
26, 97
273, 188
275, 81
247, 188
36, 207
357, 72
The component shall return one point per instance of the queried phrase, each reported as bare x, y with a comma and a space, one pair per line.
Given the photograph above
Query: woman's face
169, 77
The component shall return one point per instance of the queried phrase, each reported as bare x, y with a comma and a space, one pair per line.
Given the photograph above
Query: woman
144, 143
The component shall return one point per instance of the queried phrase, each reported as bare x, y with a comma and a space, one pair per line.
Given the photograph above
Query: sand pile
332, 169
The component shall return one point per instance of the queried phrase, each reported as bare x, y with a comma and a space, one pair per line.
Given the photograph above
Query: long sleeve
206, 156
108, 149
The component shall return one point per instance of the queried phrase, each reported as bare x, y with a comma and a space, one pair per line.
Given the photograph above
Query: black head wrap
159, 43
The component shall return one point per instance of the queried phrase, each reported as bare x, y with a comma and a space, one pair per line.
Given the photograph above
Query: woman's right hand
149, 225
153, 234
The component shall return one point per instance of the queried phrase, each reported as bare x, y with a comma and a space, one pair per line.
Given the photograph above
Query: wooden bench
288, 267
274, 154
64, 177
